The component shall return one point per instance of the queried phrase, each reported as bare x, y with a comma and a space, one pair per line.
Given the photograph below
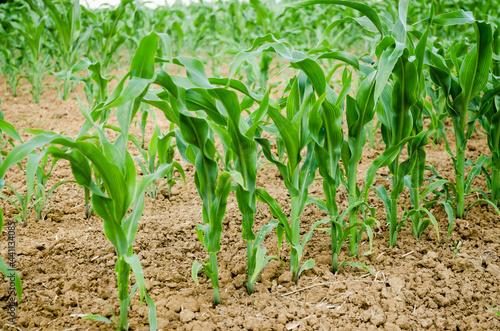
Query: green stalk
352, 197
460, 175
250, 267
393, 233
495, 186
335, 255
248, 218
416, 217
87, 201
295, 226
123, 279
393, 217
215, 277
66, 89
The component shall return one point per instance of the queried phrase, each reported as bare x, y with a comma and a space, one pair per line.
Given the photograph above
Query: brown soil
67, 265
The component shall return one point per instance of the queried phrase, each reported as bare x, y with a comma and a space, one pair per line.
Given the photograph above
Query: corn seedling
10, 58
194, 141
489, 117
24, 203
117, 170
122, 192
31, 29
107, 35
160, 151
461, 90
41, 194
400, 111
68, 38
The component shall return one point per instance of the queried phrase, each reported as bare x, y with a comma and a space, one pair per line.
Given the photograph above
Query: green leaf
360, 265
362, 8
98, 318
454, 17
306, 266
195, 270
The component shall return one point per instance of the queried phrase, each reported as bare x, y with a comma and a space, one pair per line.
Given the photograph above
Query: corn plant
489, 117
122, 191
31, 29
107, 35
117, 170
298, 174
195, 143
41, 194
11, 67
460, 91
160, 147
24, 203
400, 110
69, 37
245, 151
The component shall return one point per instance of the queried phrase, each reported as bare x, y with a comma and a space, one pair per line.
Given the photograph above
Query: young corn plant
325, 121
24, 203
471, 79
11, 67
400, 111
298, 172
31, 29
489, 117
69, 37
245, 158
360, 112
195, 143
298, 176
107, 35
160, 151
116, 169
41, 194
122, 191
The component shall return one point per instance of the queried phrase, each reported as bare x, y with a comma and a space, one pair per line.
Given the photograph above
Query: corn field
250, 165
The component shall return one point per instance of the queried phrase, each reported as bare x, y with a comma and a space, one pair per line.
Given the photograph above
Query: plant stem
335, 255
416, 217
460, 175
123, 278
353, 213
66, 89
87, 201
250, 267
215, 277
495, 186
393, 217
393, 233
295, 226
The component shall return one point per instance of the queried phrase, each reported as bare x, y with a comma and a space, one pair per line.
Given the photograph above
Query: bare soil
67, 265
